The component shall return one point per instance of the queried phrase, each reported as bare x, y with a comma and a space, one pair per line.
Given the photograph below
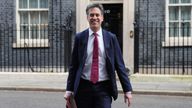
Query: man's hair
95, 5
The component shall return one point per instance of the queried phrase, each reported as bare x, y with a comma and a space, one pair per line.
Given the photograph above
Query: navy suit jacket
114, 61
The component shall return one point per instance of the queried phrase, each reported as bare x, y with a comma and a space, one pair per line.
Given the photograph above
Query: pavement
56, 82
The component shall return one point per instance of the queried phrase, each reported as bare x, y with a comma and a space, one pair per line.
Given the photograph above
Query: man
95, 57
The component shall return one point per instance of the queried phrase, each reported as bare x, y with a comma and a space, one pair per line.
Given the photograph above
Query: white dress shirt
102, 57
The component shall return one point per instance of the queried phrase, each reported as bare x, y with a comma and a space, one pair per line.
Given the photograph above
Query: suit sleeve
73, 66
120, 67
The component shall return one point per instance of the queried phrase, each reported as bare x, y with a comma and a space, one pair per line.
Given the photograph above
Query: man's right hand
67, 94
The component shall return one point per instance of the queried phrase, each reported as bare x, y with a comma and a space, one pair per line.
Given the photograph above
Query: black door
113, 20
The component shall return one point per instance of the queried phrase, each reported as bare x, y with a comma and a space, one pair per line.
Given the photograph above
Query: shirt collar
98, 32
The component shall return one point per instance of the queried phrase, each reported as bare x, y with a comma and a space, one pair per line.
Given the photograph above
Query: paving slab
146, 84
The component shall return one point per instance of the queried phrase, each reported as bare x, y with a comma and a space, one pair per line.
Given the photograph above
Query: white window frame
176, 41
21, 43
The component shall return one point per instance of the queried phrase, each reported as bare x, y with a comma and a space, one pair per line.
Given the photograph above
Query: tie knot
95, 34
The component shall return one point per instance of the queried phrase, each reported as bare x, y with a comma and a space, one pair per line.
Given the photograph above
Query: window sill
176, 44
31, 45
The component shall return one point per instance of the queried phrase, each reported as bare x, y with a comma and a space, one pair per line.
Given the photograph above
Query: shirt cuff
68, 93
127, 93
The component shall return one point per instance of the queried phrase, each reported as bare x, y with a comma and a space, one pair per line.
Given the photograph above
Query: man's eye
92, 15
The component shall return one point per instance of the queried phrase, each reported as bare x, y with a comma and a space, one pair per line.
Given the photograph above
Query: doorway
113, 20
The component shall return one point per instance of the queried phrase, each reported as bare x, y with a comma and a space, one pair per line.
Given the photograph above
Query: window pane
34, 32
33, 3
44, 3
44, 32
185, 13
24, 32
173, 1
185, 1
173, 13
23, 17
34, 17
44, 17
185, 29
173, 29
23, 3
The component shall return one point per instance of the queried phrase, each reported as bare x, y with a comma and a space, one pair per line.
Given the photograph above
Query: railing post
136, 47
183, 60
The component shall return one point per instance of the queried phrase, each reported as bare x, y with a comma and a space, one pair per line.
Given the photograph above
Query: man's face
95, 18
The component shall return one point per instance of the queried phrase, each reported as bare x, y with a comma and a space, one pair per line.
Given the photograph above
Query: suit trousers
91, 95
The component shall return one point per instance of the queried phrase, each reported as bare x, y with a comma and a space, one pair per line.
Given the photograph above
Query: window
32, 23
178, 23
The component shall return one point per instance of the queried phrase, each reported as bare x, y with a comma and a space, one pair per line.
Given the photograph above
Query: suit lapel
106, 39
84, 38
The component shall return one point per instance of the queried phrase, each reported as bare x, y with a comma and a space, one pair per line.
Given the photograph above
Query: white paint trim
17, 20
128, 27
81, 17
106, 1
20, 43
175, 41
25, 43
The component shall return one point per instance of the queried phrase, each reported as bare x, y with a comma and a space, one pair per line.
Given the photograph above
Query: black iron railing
45, 49
159, 50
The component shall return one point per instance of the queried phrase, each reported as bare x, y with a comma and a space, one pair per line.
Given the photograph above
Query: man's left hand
128, 98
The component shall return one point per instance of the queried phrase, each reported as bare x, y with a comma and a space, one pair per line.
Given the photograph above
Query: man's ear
102, 18
87, 18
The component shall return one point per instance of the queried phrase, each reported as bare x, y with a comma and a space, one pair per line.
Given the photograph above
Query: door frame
128, 27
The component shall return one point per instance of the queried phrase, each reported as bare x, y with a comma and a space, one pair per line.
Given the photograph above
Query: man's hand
67, 95
128, 98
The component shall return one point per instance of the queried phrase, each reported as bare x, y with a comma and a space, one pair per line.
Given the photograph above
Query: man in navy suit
96, 57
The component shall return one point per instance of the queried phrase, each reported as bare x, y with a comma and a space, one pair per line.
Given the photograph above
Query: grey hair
95, 5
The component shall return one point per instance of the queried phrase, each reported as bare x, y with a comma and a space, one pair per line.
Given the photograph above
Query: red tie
95, 61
